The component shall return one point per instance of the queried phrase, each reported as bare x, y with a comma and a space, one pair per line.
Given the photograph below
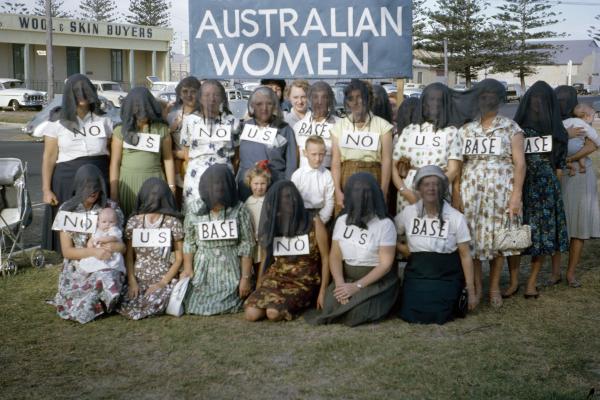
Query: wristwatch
359, 285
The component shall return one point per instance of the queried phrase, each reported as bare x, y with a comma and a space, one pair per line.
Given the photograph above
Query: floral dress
424, 145
486, 185
204, 151
291, 283
151, 264
217, 270
82, 297
543, 207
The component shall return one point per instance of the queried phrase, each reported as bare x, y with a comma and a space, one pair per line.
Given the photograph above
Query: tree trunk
522, 77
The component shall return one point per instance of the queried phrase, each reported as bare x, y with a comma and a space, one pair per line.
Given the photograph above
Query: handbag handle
180, 291
508, 224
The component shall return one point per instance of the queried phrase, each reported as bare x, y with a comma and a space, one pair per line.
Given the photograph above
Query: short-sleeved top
360, 247
306, 127
423, 233
376, 125
90, 140
145, 160
425, 145
501, 128
201, 146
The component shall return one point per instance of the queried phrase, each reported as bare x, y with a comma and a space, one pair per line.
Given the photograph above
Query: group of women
196, 175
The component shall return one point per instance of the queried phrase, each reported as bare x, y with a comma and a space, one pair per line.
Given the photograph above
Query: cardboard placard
151, 237
483, 146
258, 134
75, 222
360, 140
428, 227
148, 142
291, 246
539, 144
218, 230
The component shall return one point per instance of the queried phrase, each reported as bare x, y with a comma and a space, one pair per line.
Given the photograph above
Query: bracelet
171, 186
246, 276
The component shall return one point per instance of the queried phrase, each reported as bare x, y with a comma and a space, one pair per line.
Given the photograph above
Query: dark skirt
62, 181
433, 283
369, 304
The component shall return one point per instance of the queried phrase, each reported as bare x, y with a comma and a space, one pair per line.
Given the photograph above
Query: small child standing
106, 232
314, 181
585, 117
258, 180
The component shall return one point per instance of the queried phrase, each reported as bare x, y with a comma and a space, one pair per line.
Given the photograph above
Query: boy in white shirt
314, 181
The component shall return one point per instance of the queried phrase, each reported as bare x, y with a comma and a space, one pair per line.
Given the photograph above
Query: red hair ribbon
264, 165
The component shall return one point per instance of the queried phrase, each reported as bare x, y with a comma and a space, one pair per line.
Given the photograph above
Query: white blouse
90, 139
360, 247
426, 235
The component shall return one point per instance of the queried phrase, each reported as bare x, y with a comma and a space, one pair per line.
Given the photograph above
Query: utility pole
49, 58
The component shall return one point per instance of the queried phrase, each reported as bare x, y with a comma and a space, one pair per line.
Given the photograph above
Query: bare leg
274, 315
575, 249
495, 271
478, 279
514, 264
536, 265
555, 277
253, 314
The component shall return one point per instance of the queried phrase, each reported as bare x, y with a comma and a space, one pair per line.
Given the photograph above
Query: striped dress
217, 270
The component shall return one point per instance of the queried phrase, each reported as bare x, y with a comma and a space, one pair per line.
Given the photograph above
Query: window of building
72, 61
419, 77
18, 56
116, 65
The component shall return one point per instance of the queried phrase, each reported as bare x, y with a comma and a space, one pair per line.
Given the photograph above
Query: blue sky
578, 17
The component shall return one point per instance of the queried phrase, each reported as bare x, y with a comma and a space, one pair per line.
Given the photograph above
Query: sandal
553, 282
574, 284
507, 295
495, 299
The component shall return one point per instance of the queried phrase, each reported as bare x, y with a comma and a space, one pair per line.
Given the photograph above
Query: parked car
111, 90
157, 86
581, 88
30, 128
514, 92
168, 97
596, 106
14, 95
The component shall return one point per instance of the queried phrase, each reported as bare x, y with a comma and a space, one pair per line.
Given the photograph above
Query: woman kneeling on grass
362, 258
153, 232
438, 251
294, 248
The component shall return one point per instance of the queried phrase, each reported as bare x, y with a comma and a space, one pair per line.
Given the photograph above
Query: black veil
363, 200
567, 100
380, 105
77, 87
490, 94
408, 113
539, 110
155, 197
88, 180
445, 107
218, 186
139, 104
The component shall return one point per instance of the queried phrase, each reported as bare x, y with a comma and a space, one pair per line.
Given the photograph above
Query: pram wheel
9, 267
37, 258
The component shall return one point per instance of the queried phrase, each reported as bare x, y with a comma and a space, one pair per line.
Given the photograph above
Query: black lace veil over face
491, 94
539, 110
363, 200
139, 105
218, 187
381, 106
357, 85
156, 197
187, 82
283, 214
78, 87
567, 100
88, 180
443, 107
408, 113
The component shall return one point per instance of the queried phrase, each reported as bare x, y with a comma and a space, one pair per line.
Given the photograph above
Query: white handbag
175, 307
513, 237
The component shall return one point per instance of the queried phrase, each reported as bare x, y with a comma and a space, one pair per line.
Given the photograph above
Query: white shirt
361, 247
306, 127
72, 145
316, 188
590, 132
426, 238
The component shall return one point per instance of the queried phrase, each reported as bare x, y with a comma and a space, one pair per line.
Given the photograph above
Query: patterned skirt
289, 287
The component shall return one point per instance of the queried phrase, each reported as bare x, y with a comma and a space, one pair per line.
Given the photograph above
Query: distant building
584, 56
103, 51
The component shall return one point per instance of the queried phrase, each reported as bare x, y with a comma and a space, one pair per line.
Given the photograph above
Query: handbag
513, 237
175, 307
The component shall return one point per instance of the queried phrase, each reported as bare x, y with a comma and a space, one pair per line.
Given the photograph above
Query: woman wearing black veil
365, 282
151, 271
83, 296
141, 148
545, 153
78, 133
295, 246
491, 184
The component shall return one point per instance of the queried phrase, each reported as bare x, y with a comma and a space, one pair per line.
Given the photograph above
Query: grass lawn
530, 349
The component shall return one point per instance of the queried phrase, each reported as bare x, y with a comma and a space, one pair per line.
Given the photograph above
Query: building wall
6, 66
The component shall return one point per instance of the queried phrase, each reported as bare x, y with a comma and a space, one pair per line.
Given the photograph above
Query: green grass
530, 349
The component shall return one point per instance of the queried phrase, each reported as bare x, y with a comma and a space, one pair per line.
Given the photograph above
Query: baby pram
15, 215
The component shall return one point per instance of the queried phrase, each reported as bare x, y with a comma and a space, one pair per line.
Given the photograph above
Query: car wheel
14, 105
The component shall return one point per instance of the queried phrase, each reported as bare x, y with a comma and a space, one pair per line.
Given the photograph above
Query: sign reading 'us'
300, 39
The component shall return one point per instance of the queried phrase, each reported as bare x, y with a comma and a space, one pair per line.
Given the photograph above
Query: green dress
217, 269
137, 166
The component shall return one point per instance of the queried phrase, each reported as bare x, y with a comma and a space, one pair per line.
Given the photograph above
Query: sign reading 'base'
218, 230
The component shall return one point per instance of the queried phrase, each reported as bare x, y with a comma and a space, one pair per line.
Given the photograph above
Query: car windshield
112, 86
13, 85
